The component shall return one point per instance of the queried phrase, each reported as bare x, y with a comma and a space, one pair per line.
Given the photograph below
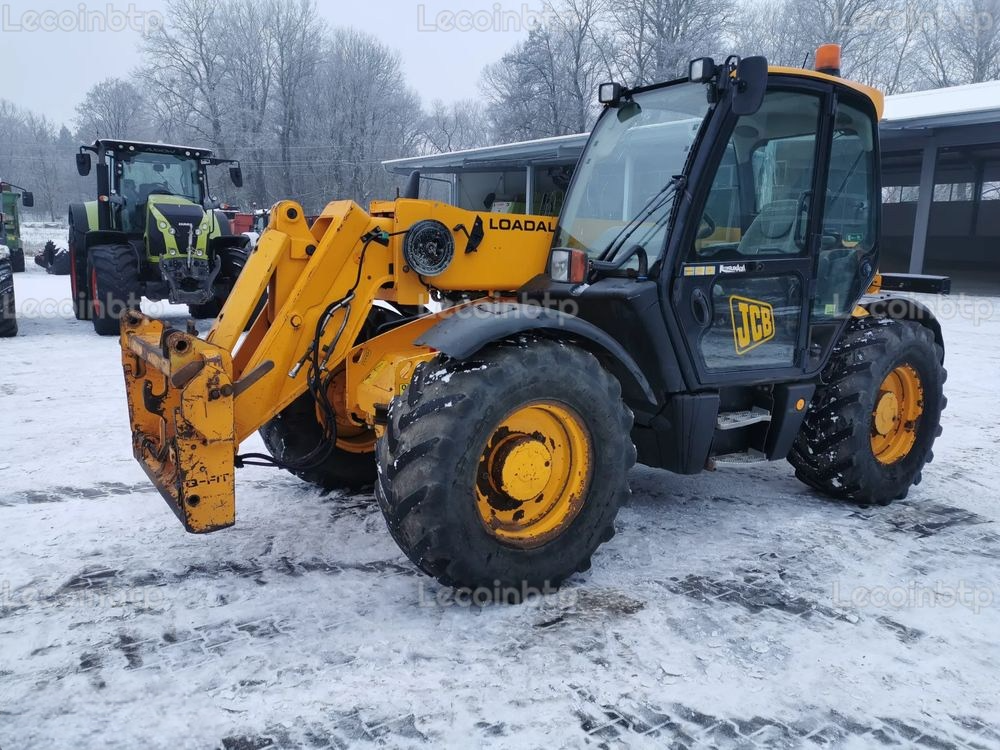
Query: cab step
740, 459
733, 420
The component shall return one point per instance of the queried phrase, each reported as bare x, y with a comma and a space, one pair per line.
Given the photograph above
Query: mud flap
180, 400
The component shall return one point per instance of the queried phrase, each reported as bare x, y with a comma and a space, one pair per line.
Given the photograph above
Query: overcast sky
50, 70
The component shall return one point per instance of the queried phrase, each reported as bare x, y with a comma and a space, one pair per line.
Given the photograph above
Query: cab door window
850, 226
759, 202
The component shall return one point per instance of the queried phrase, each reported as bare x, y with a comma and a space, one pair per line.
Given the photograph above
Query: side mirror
27, 199
750, 85
83, 164
236, 176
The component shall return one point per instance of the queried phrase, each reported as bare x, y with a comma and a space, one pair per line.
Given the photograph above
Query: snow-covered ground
732, 608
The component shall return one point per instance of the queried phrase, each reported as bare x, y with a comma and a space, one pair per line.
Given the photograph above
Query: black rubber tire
8, 315
17, 259
833, 453
429, 458
295, 431
234, 259
79, 288
114, 270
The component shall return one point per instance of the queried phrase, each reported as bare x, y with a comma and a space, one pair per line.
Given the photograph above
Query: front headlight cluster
4, 252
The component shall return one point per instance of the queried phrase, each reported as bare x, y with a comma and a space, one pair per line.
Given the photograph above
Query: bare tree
658, 37
546, 84
299, 36
113, 108
187, 67
455, 126
962, 42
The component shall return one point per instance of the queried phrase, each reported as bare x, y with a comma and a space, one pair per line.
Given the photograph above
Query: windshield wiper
661, 198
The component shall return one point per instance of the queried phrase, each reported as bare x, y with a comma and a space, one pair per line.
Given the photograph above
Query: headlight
4, 252
173, 231
568, 265
163, 225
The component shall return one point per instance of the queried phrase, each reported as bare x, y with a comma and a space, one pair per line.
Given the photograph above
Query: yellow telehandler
709, 296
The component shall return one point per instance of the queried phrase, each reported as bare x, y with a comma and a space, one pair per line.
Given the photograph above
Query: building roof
972, 104
956, 106
562, 149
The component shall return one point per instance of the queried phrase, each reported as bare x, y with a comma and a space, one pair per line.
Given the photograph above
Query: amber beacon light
828, 59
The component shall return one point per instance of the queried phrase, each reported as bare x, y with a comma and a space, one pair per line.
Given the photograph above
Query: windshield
630, 159
146, 174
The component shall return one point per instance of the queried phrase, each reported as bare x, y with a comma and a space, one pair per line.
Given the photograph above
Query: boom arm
192, 401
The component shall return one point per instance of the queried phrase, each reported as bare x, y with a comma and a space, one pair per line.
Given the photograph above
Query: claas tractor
10, 221
153, 231
708, 297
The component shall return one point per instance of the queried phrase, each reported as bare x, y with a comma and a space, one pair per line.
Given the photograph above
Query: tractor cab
155, 199
10, 221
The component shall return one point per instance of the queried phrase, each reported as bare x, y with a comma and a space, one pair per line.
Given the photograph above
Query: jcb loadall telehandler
709, 296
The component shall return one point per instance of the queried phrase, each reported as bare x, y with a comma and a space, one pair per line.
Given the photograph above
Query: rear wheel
872, 424
503, 474
113, 281
17, 259
296, 431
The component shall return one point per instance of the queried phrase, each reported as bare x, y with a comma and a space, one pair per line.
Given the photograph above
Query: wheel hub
886, 413
523, 467
898, 406
533, 474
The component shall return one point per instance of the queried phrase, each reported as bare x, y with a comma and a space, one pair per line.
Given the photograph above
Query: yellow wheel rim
534, 474
898, 406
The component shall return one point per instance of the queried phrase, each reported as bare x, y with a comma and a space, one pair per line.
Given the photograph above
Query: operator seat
772, 231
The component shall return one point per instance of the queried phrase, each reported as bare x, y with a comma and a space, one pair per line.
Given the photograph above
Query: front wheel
504, 473
113, 276
8, 308
872, 423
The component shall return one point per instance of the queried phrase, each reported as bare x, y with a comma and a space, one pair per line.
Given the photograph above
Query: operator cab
744, 198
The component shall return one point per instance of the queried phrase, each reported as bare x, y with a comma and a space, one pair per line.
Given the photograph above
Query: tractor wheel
17, 259
113, 283
504, 473
296, 431
233, 261
872, 423
8, 310
78, 283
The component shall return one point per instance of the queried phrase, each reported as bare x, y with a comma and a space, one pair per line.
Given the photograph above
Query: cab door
741, 288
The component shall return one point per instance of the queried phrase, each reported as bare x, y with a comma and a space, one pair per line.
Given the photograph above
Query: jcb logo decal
753, 323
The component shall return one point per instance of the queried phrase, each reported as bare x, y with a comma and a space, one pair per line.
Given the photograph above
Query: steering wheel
707, 227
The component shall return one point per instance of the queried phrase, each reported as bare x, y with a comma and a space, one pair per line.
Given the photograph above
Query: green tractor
154, 231
10, 232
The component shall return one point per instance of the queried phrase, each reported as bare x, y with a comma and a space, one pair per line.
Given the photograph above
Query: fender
898, 307
104, 237
461, 335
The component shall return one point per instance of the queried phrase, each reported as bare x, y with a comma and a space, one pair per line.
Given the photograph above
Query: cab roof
876, 96
117, 144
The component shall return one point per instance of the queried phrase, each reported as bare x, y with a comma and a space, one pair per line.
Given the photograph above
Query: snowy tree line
312, 110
